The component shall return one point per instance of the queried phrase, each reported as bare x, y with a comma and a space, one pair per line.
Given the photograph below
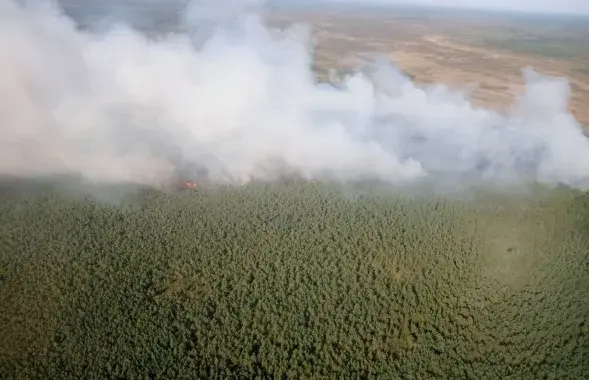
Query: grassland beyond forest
301, 281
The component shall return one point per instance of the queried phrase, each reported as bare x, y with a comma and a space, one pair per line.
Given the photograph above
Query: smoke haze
236, 101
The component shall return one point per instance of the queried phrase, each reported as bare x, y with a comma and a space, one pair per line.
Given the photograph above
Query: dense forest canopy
292, 280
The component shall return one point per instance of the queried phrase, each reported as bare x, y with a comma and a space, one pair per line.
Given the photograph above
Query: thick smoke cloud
240, 102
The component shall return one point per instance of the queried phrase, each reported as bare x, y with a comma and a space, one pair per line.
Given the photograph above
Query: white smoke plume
240, 103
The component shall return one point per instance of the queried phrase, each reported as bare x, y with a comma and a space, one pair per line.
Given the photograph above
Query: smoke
234, 101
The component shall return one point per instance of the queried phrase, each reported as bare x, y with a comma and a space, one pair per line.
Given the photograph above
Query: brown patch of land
483, 55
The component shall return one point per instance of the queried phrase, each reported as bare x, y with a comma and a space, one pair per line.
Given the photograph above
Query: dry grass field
478, 52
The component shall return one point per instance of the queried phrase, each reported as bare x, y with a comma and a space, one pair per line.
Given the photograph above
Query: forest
292, 280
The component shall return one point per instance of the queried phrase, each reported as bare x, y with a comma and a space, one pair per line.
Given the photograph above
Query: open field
303, 280
480, 52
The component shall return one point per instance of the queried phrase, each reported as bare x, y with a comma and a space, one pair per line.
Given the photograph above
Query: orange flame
190, 184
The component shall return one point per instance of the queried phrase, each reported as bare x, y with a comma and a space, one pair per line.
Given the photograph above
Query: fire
189, 185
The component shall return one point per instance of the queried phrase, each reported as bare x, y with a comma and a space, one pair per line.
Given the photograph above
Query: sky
580, 7
542, 6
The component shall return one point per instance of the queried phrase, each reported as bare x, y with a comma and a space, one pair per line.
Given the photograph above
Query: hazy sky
550, 6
